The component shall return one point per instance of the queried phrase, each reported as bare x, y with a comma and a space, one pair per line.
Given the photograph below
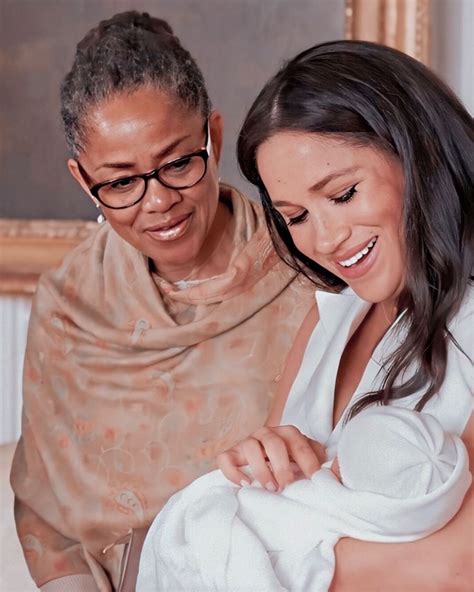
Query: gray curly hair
121, 54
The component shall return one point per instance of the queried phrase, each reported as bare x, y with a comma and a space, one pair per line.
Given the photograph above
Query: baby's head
395, 452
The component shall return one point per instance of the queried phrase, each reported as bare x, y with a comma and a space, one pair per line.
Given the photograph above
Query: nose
159, 198
329, 233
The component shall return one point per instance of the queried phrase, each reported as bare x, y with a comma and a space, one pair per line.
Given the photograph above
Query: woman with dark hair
364, 161
159, 341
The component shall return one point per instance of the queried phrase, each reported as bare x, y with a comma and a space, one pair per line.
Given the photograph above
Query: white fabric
310, 403
395, 452
215, 536
218, 537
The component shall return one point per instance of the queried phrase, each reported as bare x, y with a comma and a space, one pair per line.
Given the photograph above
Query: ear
75, 171
216, 126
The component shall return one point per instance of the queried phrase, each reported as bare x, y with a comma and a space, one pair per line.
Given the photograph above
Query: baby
397, 477
395, 452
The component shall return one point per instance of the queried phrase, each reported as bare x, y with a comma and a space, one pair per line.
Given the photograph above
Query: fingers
303, 454
229, 462
272, 453
319, 450
280, 475
256, 450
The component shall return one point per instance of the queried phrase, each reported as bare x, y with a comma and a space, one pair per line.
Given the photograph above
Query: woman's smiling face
134, 133
343, 204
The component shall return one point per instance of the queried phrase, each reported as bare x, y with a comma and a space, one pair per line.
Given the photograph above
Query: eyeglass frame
203, 152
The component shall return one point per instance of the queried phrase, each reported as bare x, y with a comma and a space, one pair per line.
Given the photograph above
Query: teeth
349, 262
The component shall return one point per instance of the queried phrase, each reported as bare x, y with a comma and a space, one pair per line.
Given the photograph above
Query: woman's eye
346, 197
298, 219
125, 183
178, 166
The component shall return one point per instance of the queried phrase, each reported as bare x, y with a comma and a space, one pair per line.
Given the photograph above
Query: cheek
303, 238
207, 198
121, 221
393, 215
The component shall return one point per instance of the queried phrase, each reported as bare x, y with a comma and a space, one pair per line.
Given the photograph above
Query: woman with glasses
159, 341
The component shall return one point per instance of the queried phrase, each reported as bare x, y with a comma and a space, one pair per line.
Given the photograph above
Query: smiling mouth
360, 256
171, 232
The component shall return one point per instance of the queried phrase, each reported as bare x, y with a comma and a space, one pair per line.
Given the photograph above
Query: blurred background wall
237, 43
452, 46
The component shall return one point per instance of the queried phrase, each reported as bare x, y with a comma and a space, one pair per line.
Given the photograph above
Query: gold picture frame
29, 247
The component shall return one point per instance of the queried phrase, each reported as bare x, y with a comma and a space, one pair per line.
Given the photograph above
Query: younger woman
364, 161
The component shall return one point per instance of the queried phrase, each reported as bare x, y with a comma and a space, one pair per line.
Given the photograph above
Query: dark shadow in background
237, 43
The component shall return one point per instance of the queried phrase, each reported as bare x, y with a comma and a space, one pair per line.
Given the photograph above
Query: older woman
160, 340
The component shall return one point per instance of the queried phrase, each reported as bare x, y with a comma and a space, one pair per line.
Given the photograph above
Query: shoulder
293, 365
75, 270
96, 240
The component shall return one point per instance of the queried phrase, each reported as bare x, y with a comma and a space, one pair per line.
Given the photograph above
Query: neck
214, 255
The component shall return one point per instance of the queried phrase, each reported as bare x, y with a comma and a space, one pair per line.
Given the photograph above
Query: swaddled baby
395, 452
397, 477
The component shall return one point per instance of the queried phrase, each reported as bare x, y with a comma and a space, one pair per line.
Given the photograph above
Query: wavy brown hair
373, 95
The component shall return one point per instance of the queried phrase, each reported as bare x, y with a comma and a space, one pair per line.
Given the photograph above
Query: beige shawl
132, 387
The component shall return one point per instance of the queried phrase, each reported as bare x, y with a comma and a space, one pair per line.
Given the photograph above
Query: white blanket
215, 536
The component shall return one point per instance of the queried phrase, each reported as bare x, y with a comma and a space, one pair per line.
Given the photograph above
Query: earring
100, 218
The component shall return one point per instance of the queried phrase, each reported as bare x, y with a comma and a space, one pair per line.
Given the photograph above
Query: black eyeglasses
181, 173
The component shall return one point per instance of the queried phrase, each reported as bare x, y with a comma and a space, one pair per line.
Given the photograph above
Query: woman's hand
270, 452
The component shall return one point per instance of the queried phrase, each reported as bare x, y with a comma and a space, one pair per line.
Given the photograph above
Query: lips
169, 224
171, 230
359, 260
358, 255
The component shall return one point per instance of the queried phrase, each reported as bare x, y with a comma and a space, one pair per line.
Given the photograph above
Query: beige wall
453, 46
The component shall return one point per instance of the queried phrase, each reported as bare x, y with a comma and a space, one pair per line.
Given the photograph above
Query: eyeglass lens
179, 174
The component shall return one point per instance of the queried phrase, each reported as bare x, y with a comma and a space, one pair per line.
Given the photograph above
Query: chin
374, 294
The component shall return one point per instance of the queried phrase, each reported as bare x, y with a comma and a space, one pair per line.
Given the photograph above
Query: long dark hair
374, 95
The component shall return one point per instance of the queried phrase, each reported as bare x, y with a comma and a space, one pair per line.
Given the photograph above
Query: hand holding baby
276, 455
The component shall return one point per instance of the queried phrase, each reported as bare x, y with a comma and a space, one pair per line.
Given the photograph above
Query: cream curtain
403, 24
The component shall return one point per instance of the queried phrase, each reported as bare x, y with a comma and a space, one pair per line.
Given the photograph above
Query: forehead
311, 153
142, 112
300, 159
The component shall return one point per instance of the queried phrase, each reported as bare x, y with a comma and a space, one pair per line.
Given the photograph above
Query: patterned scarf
133, 386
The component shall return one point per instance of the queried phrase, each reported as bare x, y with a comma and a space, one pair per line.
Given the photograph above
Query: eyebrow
161, 154
321, 183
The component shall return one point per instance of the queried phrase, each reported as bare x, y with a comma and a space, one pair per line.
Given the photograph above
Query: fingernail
243, 483
270, 486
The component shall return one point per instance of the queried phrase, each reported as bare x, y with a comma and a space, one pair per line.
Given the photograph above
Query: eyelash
342, 200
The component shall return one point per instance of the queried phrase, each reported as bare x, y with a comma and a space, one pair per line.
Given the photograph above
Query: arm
292, 365
273, 444
56, 561
442, 562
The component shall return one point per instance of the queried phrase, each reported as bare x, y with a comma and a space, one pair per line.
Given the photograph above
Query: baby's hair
122, 54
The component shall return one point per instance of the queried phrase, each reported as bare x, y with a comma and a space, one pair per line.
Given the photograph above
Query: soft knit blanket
216, 536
